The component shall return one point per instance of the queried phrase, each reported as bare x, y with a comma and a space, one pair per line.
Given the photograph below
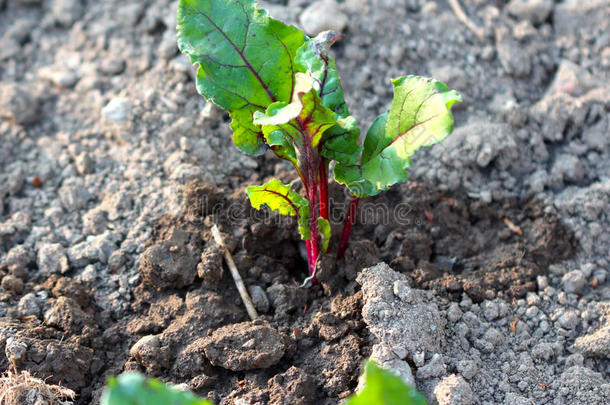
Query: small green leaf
281, 198
246, 60
281, 146
382, 387
342, 142
313, 57
420, 116
136, 389
351, 176
325, 232
304, 117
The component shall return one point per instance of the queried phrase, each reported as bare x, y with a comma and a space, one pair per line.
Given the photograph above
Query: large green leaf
136, 389
281, 198
246, 59
384, 388
303, 121
419, 116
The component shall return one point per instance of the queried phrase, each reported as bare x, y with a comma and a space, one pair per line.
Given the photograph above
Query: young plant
283, 93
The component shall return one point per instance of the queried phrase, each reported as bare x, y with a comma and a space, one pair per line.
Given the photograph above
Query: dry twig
459, 12
513, 227
245, 297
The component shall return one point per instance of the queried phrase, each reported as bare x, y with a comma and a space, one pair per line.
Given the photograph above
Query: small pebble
15, 350
28, 305
12, 284
569, 320
491, 310
453, 390
573, 282
89, 274
454, 313
259, 298
52, 259
18, 104
58, 76
117, 110
532, 299
542, 282
323, 15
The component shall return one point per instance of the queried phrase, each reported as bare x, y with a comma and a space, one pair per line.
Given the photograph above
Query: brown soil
309, 343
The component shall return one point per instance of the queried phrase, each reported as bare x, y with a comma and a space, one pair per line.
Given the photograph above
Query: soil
113, 170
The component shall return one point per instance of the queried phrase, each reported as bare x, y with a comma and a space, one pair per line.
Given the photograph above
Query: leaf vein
240, 53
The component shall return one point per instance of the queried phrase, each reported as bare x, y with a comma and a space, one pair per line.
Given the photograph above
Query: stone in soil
149, 353
399, 315
210, 268
453, 390
18, 104
171, 263
536, 11
244, 346
596, 344
52, 258
294, 386
323, 15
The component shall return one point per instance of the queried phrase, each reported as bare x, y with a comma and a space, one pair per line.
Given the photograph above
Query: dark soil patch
454, 244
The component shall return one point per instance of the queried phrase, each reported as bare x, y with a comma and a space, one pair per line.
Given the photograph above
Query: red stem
314, 237
309, 167
323, 190
347, 226
308, 245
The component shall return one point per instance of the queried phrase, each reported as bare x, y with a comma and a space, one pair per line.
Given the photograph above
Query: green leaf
419, 116
325, 232
341, 142
303, 121
136, 389
281, 146
281, 198
246, 60
382, 387
313, 57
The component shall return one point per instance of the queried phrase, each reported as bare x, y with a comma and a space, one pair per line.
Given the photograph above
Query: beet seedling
283, 93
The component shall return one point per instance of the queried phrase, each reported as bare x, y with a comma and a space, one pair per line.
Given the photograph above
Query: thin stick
245, 297
457, 9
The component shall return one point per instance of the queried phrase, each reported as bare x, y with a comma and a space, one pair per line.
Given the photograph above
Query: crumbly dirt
113, 170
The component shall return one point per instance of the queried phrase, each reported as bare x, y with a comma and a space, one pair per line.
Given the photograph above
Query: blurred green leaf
384, 388
136, 389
